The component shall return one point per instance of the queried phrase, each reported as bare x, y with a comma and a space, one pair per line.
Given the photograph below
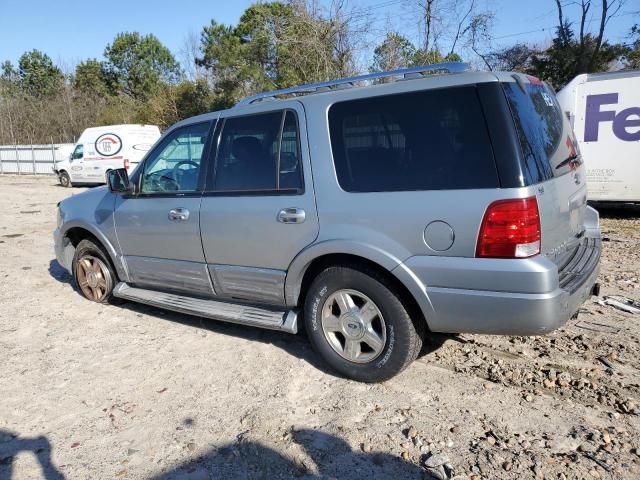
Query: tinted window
259, 153
174, 165
290, 158
547, 146
429, 140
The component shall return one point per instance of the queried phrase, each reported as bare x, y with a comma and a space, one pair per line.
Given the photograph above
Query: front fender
116, 258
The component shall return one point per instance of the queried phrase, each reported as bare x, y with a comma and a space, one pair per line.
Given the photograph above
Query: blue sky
72, 30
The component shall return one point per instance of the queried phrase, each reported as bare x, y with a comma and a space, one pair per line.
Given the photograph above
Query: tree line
276, 45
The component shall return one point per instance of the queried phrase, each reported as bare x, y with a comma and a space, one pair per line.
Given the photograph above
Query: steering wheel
163, 183
184, 162
177, 173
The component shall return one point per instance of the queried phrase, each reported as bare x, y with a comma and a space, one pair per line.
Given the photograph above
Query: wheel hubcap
93, 277
353, 326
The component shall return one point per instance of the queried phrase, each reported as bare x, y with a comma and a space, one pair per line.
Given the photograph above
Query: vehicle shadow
327, 456
59, 273
295, 345
617, 211
11, 444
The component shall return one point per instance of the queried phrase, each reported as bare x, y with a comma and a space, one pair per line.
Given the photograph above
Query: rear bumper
507, 297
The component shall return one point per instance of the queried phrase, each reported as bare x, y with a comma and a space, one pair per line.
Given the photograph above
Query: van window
547, 145
259, 153
78, 152
174, 165
427, 140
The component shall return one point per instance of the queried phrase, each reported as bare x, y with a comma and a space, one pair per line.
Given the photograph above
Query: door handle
178, 214
291, 215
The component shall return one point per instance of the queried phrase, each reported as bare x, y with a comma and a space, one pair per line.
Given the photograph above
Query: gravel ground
90, 391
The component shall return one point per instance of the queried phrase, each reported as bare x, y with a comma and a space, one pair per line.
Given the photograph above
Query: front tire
65, 179
357, 321
92, 272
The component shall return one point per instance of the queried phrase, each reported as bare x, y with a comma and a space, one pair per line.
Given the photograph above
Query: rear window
428, 140
545, 139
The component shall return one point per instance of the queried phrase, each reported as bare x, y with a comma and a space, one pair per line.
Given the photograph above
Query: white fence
32, 159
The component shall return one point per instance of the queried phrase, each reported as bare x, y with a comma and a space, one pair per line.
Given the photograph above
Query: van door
76, 164
158, 229
258, 209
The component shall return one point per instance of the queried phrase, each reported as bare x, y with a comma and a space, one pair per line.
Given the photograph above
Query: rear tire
92, 272
356, 319
65, 179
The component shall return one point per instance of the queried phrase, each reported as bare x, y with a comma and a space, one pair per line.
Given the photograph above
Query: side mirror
118, 181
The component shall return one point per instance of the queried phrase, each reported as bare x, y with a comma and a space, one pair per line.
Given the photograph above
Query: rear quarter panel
392, 221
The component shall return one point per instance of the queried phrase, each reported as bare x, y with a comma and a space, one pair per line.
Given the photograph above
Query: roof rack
404, 73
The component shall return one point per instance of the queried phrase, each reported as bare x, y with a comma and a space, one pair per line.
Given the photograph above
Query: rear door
258, 210
138, 140
552, 161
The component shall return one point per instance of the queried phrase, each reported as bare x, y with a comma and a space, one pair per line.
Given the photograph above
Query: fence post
33, 159
53, 155
17, 158
1, 168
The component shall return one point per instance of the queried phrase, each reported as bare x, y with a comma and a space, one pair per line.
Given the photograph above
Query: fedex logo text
626, 123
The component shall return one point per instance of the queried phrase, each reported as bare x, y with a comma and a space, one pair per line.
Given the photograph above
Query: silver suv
377, 208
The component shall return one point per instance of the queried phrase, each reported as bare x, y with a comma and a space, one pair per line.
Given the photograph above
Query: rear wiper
567, 161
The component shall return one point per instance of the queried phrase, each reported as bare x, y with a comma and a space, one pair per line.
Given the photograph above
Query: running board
286, 321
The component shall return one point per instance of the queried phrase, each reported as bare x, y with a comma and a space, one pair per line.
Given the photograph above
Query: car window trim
201, 174
209, 190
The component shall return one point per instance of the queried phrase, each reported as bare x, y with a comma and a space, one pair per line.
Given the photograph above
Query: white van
604, 110
101, 149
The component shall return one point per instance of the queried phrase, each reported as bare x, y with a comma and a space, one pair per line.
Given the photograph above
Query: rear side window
428, 140
545, 139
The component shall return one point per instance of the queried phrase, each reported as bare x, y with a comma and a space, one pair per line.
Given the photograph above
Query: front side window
174, 165
426, 140
259, 153
78, 152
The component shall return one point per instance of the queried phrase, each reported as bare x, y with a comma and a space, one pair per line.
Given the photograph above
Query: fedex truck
604, 109
100, 149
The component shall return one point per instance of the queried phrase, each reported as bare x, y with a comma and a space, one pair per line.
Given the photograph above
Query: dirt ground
90, 391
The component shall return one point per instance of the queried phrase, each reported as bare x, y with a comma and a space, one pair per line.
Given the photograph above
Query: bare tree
189, 52
479, 36
461, 21
589, 46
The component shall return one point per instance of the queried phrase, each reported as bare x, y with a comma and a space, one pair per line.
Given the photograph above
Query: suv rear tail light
510, 229
126, 163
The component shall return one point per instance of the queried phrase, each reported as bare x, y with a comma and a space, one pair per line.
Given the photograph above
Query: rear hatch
551, 162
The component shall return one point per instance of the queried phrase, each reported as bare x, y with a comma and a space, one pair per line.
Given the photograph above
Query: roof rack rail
405, 73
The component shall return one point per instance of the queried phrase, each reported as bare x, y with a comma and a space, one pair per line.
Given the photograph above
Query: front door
158, 229
258, 211
76, 164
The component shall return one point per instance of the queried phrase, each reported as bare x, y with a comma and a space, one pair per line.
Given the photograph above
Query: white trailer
604, 109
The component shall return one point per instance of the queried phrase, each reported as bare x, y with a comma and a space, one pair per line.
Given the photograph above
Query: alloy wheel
93, 277
353, 325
